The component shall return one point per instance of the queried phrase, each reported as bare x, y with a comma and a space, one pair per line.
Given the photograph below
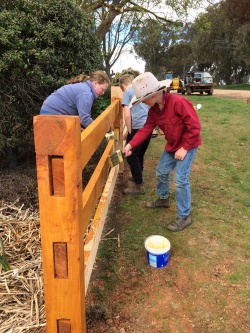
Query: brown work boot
180, 223
136, 189
159, 203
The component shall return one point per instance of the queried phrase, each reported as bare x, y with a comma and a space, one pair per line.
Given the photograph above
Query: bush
116, 78
43, 44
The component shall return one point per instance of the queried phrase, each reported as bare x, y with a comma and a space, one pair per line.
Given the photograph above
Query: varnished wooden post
119, 125
57, 145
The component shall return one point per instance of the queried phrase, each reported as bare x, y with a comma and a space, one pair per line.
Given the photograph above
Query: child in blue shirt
135, 118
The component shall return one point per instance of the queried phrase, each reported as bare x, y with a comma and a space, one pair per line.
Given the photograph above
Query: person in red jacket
178, 120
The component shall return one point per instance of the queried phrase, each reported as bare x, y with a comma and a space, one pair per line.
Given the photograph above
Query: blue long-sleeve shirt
139, 112
72, 99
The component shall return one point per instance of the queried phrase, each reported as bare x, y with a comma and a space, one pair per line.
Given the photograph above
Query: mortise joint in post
60, 253
56, 176
63, 326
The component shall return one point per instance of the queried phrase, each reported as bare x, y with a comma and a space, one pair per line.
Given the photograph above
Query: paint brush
110, 135
116, 158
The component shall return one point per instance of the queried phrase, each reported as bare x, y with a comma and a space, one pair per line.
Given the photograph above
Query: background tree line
217, 41
44, 43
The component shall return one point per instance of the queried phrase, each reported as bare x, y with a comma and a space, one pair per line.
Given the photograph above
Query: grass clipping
21, 288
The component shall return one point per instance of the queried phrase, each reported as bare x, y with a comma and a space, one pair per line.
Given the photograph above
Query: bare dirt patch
235, 94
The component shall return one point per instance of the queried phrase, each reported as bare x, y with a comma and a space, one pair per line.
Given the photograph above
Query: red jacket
178, 120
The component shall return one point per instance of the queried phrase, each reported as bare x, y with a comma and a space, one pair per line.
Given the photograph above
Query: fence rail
62, 152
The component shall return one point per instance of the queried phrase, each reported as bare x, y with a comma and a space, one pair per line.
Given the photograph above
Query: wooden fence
68, 214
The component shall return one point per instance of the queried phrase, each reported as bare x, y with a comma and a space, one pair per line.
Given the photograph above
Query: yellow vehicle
176, 84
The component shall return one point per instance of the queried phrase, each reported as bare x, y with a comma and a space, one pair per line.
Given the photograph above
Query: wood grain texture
60, 260
57, 176
63, 326
62, 152
60, 220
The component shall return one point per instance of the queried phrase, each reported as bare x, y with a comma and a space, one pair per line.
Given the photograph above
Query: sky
127, 60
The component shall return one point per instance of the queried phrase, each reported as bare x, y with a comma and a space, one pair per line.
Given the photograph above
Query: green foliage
217, 41
43, 43
153, 42
108, 11
116, 78
244, 86
51, 40
180, 58
101, 103
220, 40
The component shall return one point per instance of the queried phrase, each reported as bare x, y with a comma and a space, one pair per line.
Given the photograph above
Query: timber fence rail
68, 213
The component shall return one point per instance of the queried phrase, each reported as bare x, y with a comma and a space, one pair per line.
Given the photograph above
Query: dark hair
97, 76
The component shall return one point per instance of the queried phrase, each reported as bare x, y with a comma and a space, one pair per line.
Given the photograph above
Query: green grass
210, 260
243, 86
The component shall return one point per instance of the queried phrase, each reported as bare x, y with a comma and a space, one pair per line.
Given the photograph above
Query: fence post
57, 145
118, 125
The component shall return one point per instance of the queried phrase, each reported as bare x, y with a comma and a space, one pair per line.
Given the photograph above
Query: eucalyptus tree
152, 43
117, 20
118, 39
238, 14
181, 59
164, 47
156, 9
220, 40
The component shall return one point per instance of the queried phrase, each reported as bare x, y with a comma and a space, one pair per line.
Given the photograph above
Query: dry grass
21, 288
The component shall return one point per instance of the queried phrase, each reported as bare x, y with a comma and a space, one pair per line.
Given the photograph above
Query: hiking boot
137, 189
180, 223
159, 203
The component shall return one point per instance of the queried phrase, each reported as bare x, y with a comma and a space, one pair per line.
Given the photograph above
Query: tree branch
116, 8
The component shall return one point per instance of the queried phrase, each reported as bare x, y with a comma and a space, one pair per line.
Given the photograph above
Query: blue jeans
168, 163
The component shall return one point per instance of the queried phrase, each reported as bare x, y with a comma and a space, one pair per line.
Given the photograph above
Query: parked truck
201, 82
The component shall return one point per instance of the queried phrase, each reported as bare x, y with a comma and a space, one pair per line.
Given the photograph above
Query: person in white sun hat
178, 120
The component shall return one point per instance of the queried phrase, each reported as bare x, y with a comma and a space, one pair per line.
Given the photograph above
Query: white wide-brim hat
146, 85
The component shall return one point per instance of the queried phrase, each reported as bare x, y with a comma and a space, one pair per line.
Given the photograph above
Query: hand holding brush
118, 156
